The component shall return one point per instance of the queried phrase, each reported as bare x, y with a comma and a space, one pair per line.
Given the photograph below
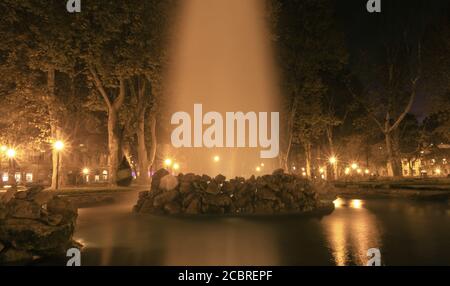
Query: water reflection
350, 231
407, 233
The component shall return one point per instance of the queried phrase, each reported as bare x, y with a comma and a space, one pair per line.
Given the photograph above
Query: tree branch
121, 98
100, 87
369, 112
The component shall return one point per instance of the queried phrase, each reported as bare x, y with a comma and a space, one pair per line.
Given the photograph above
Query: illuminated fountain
222, 59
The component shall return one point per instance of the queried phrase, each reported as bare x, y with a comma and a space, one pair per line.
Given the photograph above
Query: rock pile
34, 223
193, 194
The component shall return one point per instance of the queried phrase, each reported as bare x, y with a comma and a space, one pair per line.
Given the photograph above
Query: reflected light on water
350, 236
356, 204
338, 203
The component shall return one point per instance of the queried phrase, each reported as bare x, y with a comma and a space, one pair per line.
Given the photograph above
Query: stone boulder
35, 223
168, 183
195, 195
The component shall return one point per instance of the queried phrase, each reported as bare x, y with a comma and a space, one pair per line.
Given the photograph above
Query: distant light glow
258, 169
338, 203
85, 171
347, 171
356, 204
332, 160
176, 166
168, 162
58, 145
11, 153
216, 158
3, 148
354, 166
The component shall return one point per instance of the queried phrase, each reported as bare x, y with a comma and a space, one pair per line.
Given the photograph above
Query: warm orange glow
3, 148
168, 162
85, 171
176, 166
347, 171
354, 166
332, 160
11, 153
338, 203
216, 158
356, 204
58, 145
258, 169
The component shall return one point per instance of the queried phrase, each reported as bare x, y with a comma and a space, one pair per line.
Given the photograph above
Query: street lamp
168, 162
11, 154
332, 160
58, 146
216, 158
85, 172
258, 169
354, 166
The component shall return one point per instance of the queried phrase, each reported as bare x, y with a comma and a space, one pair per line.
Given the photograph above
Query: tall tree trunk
142, 150
334, 165
113, 146
154, 142
114, 133
55, 130
390, 155
284, 156
307, 147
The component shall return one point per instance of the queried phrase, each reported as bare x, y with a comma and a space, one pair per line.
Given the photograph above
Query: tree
121, 46
304, 61
41, 34
389, 71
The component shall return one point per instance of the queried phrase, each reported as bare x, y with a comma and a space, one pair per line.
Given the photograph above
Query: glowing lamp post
333, 161
58, 146
85, 172
176, 167
168, 163
11, 154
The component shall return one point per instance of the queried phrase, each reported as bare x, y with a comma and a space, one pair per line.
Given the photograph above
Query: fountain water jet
222, 59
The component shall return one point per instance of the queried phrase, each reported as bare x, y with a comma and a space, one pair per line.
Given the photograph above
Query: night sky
368, 31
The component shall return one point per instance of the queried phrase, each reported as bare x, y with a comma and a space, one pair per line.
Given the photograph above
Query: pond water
406, 232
